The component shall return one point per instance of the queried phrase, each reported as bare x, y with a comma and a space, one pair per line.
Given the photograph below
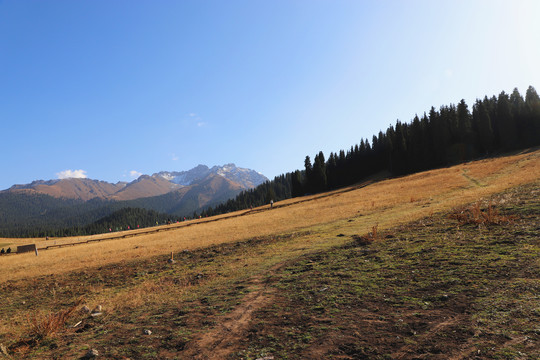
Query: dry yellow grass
386, 203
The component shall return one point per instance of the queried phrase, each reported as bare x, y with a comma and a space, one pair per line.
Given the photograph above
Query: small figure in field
8, 250
2, 251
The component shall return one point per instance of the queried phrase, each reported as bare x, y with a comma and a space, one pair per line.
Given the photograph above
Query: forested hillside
450, 135
30, 215
38, 215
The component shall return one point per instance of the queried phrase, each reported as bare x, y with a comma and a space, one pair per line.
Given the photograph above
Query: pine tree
399, 151
270, 195
485, 130
441, 136
308, 180
319, 173
331, 171
296, 184
532, 106
505, 122
465, 132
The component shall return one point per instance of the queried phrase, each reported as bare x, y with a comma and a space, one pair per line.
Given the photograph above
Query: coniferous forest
450, 135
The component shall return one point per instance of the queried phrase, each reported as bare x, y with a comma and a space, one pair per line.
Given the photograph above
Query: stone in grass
3, 350
92, 353
85, 309
97, 309
147, 332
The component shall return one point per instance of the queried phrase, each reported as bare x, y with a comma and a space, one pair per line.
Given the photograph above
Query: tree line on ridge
450, 135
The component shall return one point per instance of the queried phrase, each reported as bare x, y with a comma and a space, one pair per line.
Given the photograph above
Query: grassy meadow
301, 280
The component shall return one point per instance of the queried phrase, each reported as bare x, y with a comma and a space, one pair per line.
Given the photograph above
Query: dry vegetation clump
474, 215
43, 326
363, 240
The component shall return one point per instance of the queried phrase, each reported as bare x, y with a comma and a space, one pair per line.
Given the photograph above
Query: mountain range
145, 186
79, 201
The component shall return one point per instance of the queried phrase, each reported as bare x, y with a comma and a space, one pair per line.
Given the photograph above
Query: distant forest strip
93, 217
450, 135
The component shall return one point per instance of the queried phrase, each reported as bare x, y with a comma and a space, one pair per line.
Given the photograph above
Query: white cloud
195, 119
67, 174
135, 174
175, 157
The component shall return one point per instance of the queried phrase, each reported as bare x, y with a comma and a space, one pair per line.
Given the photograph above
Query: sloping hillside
80, 189
372, 271
212, 190
144, 186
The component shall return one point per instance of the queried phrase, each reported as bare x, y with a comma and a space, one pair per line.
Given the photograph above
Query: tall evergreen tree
399, 151
439, 137
466, 135
308, 180
296, 184
517, 104
532, 106
331, 171
464, 120
505, 121
485, 130
319, 181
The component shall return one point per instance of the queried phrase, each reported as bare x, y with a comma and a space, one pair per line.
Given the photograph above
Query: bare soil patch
230, 332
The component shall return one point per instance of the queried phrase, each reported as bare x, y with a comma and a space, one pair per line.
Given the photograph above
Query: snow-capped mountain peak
246, 177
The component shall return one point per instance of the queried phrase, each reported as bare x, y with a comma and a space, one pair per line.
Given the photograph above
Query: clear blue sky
111, 89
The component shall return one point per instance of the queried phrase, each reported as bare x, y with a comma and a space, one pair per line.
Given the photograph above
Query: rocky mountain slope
247, 178
145, 186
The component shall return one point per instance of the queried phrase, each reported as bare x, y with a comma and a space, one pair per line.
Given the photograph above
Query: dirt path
426, 337
229, 334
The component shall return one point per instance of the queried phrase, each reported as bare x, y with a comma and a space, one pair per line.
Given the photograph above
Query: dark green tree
532, 106
270, 195
308, 179
505, 122
485, 130
296, 184
319, 180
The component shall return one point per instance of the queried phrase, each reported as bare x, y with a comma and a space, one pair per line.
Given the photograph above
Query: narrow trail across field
428, 336
229, 333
